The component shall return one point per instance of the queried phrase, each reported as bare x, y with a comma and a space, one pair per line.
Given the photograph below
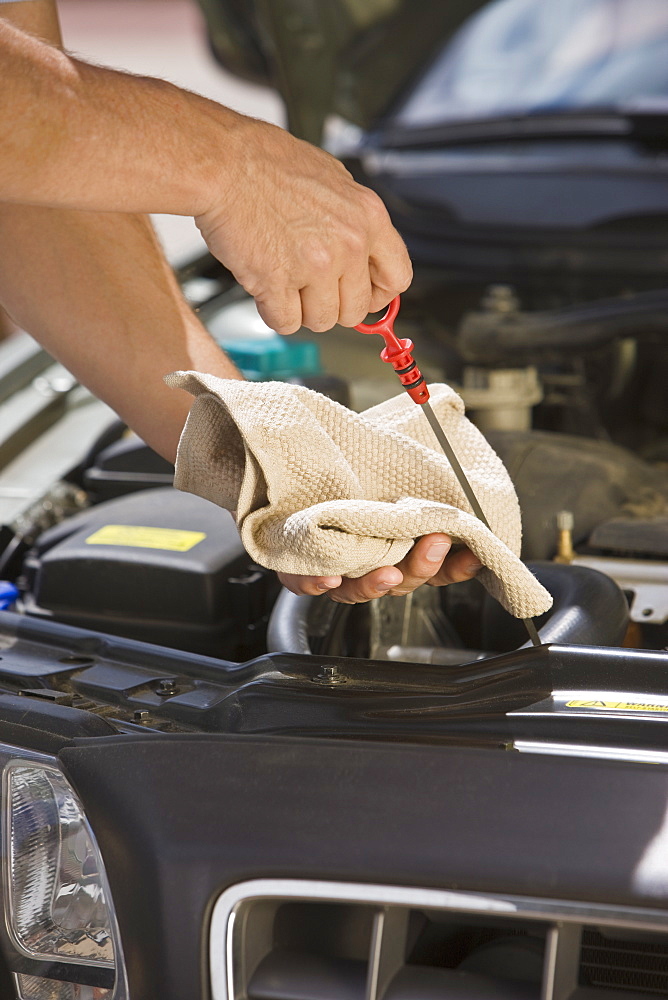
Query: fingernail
437, 552
382, 588
474, 566
328, 583
387, 582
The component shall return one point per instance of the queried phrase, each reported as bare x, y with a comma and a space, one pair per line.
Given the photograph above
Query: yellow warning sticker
620, 706
172, 539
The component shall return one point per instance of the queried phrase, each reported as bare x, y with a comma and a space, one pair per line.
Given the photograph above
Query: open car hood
352, 58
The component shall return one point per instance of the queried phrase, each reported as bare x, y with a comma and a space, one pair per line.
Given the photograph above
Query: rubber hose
589, 609
287, 631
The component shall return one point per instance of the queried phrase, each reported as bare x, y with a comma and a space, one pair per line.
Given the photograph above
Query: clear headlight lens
35, 988
58, 910
57, 903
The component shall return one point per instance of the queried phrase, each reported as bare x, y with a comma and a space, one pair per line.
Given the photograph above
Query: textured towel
320, 490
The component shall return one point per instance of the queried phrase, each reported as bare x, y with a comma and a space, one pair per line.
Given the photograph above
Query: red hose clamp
398, 353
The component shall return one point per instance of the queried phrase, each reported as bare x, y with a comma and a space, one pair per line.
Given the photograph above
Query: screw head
329, 676
165, 687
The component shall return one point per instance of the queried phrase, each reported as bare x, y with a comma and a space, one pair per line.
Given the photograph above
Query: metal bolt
329, 676
141, 715
165, 687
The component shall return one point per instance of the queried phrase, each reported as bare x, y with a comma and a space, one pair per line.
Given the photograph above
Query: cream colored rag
320, 490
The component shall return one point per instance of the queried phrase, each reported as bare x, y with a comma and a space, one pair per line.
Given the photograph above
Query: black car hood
352, 58
202, 813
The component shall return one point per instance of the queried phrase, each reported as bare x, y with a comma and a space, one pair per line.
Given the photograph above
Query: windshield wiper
650, 127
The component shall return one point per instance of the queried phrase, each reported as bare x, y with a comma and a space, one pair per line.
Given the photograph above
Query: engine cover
160, 566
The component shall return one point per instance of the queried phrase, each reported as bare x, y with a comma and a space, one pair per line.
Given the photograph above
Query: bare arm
299, 234
96, 290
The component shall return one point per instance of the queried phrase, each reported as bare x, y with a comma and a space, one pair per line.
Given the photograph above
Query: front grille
615, 962
301, 940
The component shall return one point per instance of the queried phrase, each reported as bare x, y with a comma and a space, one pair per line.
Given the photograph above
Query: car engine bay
214, 788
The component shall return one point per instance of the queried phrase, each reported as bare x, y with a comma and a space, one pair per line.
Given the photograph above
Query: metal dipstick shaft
398, 353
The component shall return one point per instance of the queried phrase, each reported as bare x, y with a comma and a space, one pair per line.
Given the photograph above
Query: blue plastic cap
8, 594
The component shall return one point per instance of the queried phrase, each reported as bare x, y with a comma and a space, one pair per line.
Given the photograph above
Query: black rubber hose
589, 609
288, 626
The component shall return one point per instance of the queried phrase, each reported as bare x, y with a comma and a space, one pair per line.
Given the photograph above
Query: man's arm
96, 290
309, 243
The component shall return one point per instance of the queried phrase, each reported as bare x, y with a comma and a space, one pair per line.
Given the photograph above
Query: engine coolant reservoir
259, 351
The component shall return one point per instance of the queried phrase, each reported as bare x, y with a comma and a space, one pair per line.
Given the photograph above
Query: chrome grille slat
612, 967
562, 961
388, 950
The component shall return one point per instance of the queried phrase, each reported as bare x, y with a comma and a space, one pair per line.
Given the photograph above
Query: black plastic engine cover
125, 466
160, 566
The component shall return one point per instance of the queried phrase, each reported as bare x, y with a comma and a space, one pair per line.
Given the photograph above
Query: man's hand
427, 562
313, 247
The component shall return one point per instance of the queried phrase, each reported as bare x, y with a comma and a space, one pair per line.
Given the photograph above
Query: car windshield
548, 56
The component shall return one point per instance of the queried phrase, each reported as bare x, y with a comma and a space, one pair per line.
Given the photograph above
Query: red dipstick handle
398, 353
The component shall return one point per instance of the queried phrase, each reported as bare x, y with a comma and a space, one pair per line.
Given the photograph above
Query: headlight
63, 942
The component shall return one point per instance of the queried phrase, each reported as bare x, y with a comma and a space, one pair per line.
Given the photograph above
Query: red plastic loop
398, 353
385, 326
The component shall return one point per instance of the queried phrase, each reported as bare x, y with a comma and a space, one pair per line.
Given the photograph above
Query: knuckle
356, 242
374, 205
251, 284
318, 257
407, 277
400, 274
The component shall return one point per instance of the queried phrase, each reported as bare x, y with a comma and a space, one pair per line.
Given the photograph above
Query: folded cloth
320, 490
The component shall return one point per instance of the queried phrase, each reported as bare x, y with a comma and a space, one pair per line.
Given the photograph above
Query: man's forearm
82, 136
95, 289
